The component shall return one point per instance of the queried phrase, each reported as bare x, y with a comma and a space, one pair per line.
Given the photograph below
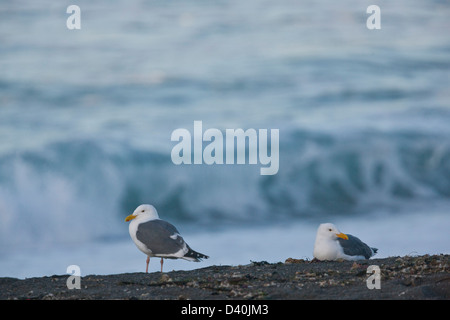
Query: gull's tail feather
194, 255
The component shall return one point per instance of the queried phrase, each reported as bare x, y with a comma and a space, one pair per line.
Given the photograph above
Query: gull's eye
144, 210
330, 230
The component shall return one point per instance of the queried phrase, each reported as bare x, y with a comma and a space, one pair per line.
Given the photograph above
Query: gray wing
355, 247
160, 237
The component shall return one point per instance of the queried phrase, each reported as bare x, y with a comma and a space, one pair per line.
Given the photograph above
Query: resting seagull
331, 244
158, 238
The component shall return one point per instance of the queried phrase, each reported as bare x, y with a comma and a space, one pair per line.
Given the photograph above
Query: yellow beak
130, 217
342, 236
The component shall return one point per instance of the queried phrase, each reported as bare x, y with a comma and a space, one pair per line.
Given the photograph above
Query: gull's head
143, 211
330, 231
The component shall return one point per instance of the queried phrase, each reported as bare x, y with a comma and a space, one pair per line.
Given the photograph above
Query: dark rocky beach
408, 277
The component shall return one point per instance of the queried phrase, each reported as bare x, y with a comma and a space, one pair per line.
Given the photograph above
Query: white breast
326, 249
132, 228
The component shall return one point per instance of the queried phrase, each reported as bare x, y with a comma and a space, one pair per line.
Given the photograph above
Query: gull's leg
162, 261
148, 260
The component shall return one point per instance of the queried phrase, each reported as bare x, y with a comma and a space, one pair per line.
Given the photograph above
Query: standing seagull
331, 244
158, 238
